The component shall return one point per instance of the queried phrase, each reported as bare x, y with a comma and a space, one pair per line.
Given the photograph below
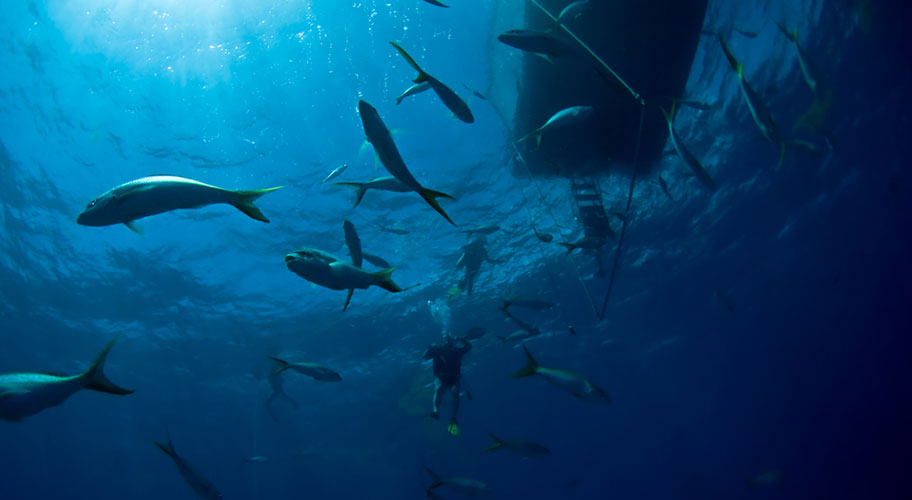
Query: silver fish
689, 159
461, 485
491, 229
353, 242
450, 99
147, 196
202, 487
329, 271
414, 89
312, 370
563, 118
575, 383
379, 137
335, 173
25, 394
536, 42
522, 447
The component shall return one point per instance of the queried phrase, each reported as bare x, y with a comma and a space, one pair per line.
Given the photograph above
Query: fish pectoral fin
545, 57
136, 228
12, 392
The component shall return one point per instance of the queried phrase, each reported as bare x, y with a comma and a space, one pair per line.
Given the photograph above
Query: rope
617, 253
560, 232
590, 51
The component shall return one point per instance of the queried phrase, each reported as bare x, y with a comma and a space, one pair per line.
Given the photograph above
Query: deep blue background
807, 374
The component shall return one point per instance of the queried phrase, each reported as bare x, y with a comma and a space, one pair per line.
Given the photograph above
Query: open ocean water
755, 344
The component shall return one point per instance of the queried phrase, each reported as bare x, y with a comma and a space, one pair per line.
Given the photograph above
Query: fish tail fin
569, 246
536, 133
531, 367
359, 187
435, 479
245, 199
348, 298
431, 196
498, 443
284, 365
168, 448
386, 282
506, 305
95, 377
422, 76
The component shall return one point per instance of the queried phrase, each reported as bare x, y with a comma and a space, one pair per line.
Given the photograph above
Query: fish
202, 487
414, 89
575, 383
491, 229
475, 93
438, 4
527, 302
544, 237
522, 447
563, 118
335, 173
387, 183
461, 485
689, 159
312, 370
474, 333
537, 42
527, 330
379, 137
278, 391
809, 77
573, 10
450, 99
377, 261
25, 394
258, 459
664, 185
327, 270
761, 114
767, 478
158, 194
353, 242
394, 230
586, 243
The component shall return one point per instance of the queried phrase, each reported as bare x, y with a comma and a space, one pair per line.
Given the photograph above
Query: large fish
329, 271
461, 485
491, 229
522, 447
25, 394
689, 159
759, 111
536, 42
450, 99
584, 243
575, 383
394, 230
809, 77
313, 370
379, 137
437, 3
202, 487
158, 194
353, 242
563, 118
527, 330
414, 89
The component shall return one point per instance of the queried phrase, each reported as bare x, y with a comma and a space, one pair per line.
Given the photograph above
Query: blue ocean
517, 279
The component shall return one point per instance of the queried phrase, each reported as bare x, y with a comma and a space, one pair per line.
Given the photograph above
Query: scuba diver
473, 255
447, 358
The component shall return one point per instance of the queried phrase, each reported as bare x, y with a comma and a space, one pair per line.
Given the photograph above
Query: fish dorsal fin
134, 227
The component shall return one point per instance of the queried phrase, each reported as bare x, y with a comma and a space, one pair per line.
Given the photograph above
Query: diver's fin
134, 226
285, 364
431, 196
422, 76
498, 443
95, 377
359, 187
245, 199
348, 298
531, 367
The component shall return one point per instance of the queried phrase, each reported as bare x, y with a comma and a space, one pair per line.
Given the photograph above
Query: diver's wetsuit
473, 255
447, 365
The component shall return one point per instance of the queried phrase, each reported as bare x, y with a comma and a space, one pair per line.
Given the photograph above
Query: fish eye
92, 203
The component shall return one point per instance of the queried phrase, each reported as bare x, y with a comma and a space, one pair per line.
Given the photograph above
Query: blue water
763, 327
